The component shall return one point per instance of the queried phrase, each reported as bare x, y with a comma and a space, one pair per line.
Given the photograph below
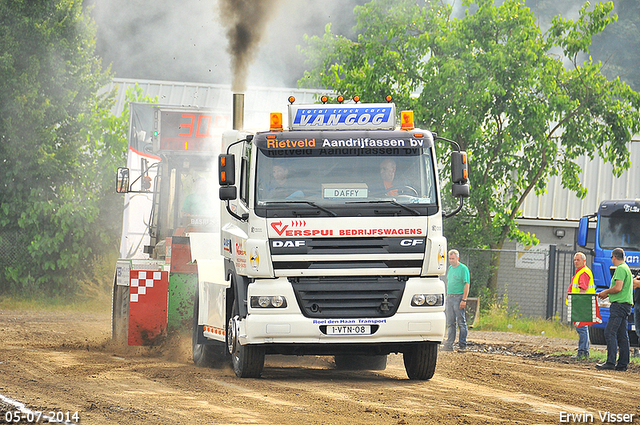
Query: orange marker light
223, 161
464, 171
324, 99
292, 99
340, 99
406, 120
223, 176
389, 98
276, 121
356, 99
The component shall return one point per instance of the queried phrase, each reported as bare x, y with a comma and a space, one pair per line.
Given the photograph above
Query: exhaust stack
238, 111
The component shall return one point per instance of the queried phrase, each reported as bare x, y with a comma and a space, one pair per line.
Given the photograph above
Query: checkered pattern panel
141, 282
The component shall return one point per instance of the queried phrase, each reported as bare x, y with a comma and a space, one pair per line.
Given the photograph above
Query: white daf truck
330, 242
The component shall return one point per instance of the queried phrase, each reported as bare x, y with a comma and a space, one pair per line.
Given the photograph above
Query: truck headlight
268, 301
427, 300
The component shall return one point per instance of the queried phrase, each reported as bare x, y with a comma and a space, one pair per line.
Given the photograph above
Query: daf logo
288, 244
411, 242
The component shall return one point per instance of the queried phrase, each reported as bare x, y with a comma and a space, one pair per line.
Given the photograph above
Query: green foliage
515, 98
59, 148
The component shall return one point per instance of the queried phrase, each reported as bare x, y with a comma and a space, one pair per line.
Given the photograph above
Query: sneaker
621, 368
462, 349
580, 356
446, 348
605, 366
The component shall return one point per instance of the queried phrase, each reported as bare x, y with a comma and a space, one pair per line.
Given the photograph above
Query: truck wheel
420, 360
358, 362
247, 360
596, 336
211, 354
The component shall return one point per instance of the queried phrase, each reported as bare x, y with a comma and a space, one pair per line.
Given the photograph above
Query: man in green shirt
457, 291
620, 294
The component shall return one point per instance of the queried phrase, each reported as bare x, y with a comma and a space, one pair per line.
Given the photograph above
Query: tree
51, 186
516, 99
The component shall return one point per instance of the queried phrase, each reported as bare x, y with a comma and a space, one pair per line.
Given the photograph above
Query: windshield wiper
387, 201
313, 204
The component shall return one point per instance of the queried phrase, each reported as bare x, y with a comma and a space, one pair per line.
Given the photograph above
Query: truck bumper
289, 326
401, 328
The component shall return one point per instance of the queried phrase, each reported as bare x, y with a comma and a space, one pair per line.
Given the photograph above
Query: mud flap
182, 289
182, 286
148, 300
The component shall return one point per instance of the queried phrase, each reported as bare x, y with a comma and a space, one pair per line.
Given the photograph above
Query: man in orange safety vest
583, 282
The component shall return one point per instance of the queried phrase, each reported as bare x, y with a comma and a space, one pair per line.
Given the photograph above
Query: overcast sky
186, 40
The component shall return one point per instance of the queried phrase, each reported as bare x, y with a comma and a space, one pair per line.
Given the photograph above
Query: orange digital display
186, 131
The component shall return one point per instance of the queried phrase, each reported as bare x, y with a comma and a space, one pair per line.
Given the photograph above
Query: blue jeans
583, 340
616, 334
454, 315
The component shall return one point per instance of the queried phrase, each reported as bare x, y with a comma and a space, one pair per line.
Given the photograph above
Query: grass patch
498, 317
95, 304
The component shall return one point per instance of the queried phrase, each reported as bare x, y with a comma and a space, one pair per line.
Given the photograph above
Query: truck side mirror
228, 193
459, 174
583, 231
227, 169
460, 190
122, 180
227, 177
459, 167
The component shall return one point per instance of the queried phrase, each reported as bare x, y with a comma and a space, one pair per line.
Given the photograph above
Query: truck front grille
348, 296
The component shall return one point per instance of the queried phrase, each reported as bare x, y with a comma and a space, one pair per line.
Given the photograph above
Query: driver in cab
280, 186
388, 174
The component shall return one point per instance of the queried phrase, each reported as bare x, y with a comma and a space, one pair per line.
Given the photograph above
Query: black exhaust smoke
245, 21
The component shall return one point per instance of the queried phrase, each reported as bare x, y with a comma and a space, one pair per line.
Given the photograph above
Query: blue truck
617, 226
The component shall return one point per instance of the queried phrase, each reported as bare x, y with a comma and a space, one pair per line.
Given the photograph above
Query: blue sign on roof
371, 116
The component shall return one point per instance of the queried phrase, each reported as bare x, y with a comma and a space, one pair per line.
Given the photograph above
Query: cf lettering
411, 242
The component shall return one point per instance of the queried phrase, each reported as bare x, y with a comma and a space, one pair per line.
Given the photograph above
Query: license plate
349, 330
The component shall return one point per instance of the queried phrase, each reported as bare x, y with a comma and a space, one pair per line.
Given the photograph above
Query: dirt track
65, 362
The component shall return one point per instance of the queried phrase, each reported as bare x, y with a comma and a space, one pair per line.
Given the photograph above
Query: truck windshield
620, 231
347, 181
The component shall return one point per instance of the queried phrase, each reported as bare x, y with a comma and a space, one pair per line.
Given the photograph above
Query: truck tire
596, 336
247, 360
357, 362
420, 360
210, 354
